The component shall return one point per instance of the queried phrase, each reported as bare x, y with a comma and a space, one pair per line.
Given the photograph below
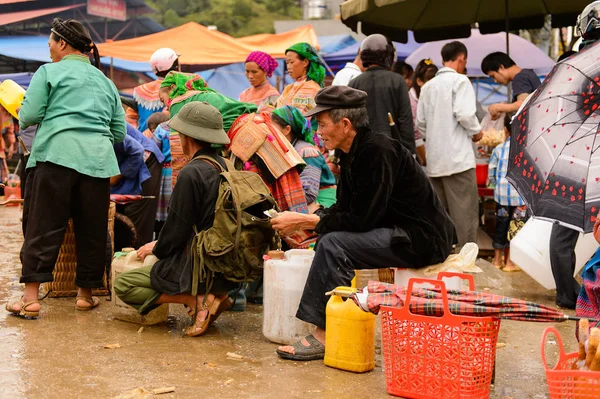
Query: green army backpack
241, 233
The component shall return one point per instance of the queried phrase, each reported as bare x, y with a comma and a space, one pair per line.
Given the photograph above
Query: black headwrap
75, 34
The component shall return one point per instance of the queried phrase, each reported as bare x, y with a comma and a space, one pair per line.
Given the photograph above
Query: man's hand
477, 137
288, 223
496, 111
145, 250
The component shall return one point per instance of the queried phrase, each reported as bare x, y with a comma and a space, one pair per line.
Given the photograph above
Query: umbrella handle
435, 283
559, 343
463, 276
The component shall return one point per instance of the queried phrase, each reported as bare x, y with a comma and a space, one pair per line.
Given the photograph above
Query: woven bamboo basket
386, 275
66, 264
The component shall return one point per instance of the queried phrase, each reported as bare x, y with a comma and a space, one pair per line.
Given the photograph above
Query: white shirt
346, 74
446, 119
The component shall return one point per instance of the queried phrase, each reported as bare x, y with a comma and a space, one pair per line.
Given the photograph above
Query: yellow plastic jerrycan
11, 96
350, 334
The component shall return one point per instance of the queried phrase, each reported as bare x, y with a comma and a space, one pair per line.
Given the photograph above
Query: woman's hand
145, 250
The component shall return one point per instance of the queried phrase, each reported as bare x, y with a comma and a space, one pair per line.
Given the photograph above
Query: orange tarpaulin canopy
200, 46
276, 44
197, 45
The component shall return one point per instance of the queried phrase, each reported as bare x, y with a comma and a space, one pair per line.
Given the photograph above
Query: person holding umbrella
553, 163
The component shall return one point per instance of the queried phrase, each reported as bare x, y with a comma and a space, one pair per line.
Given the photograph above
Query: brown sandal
215, 308
93, 302
23, 312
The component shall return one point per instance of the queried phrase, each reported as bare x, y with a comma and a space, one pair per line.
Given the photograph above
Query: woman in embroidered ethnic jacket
178, 89
146, 96
304, 66
317, 179
259, 67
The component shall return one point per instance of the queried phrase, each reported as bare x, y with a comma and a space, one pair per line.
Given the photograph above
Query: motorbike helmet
588, 22
377, 49
163, 59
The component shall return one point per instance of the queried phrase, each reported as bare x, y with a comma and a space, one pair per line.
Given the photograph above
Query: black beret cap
334, 97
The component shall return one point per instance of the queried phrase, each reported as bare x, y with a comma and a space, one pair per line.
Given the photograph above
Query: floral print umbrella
554, 162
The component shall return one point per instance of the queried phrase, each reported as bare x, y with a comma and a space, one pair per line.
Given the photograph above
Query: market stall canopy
197, 45
446, 19
200, 46
348, 54
276, 43
524, 53
7, 18
333, 43
35, 48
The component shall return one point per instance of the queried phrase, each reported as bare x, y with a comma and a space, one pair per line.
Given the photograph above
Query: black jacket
381, 185
192, 204
387, 92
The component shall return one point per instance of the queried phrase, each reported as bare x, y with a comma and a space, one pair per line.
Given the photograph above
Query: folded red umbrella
123, 199
429, 302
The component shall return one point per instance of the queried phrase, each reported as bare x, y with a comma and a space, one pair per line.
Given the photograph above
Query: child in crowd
509, 205
406, 71
424, 72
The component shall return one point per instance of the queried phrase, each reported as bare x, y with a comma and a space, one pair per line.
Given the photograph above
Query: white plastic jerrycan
121, 310
284, 279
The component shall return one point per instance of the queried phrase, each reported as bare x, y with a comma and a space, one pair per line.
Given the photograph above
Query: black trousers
54, 194
143, 212
504, 214
23, 172
562, 260
338, 254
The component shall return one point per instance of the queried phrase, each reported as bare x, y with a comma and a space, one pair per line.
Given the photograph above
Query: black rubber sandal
315, 351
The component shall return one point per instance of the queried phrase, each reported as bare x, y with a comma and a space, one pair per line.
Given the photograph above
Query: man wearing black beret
387, 213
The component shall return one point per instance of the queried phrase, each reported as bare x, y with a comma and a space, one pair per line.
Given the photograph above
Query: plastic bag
493, 131
463, 262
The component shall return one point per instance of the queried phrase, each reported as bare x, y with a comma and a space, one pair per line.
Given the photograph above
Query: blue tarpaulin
35, 48
331, 44
22, 78
348, 54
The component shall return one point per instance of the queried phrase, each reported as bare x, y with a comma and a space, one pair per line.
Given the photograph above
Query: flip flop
93, 302
22, 312
315, 351
511, 269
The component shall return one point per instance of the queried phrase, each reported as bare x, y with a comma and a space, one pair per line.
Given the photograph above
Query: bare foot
319, 335
497, 262
511, 267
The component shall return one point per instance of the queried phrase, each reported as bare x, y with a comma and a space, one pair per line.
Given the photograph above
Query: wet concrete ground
62, 355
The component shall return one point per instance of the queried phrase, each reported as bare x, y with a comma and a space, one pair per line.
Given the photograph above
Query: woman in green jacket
178, 89
79, 116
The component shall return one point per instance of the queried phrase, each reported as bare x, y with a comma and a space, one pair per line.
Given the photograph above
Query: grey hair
358, 117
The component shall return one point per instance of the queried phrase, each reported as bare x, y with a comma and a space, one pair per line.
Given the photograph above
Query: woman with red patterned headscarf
259, 67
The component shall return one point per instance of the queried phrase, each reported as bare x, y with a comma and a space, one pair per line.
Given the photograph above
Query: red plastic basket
564, 383
448, 357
